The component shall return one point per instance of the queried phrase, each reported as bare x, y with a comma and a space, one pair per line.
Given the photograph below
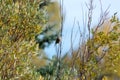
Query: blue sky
73, 10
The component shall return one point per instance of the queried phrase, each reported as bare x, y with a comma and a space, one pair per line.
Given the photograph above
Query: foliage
24, 21
20, 21
50, 71
96, 58
99, 56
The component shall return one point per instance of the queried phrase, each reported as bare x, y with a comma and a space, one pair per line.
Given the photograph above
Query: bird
58, 40
42, 4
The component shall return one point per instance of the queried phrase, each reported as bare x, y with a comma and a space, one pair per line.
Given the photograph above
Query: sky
73, 10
